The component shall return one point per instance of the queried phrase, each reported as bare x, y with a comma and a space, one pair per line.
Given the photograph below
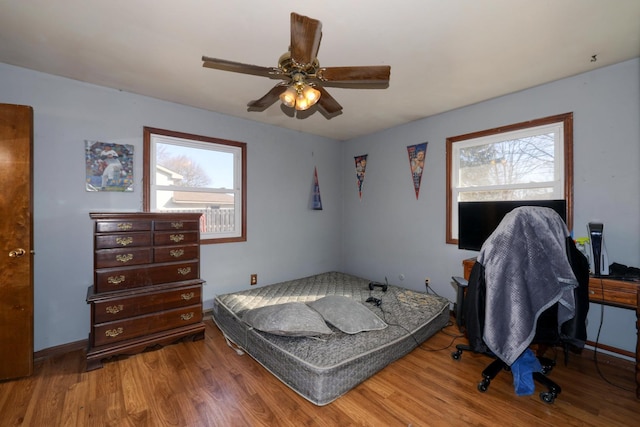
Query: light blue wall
390, 233
285, 239
387, 233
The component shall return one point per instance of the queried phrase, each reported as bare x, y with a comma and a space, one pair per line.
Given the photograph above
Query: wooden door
16, 241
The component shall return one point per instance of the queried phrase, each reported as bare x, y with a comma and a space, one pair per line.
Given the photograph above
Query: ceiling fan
303, 78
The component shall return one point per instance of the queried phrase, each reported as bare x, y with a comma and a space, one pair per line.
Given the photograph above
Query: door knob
17, 253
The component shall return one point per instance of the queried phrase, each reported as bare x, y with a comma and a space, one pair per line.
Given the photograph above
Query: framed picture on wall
109, 166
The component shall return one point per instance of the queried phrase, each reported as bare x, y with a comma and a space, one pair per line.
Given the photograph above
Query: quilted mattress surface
321, 369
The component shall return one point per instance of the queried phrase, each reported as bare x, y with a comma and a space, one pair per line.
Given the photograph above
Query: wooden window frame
567, 122
146, 171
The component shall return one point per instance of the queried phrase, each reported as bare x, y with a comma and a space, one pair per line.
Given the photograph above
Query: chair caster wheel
456, 355
547, 396
546, 370
483, 385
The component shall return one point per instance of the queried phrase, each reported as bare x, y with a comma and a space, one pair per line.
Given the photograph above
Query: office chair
529, 285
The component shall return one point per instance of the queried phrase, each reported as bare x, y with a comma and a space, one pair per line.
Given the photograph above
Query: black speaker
599, 258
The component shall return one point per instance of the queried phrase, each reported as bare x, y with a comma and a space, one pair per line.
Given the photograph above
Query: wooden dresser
147, 289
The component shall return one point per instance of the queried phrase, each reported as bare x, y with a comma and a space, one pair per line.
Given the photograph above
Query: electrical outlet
254, 279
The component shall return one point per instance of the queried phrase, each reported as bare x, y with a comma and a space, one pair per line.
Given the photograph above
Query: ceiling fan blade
305, 38
374, 74
328, 103
266, 101
238, 67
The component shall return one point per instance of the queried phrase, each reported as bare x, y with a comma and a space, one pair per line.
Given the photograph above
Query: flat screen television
477, 220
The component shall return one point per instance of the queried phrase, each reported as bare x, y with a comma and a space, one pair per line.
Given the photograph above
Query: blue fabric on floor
522, 369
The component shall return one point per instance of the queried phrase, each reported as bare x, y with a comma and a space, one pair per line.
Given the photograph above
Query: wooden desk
612, 292
622, 294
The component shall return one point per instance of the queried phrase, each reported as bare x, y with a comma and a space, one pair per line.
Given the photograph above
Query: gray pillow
347, 314
290, 319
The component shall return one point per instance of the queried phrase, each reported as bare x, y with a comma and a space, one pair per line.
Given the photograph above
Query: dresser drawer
129, 306
175, 237
122, 226
124, 240
120, 330
177, 225
122, 257
175, 253
116, 279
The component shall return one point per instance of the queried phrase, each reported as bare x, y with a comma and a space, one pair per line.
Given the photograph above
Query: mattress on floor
321, 369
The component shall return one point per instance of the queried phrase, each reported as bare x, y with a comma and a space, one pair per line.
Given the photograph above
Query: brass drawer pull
188, 296
176, 237
113, 309
177, 225
17, 253
124, 241
124, 258
176, 253
113, 332
187, 316
125, 226
115, 280
184, 271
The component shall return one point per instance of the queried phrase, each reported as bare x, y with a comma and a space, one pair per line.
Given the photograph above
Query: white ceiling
443, 54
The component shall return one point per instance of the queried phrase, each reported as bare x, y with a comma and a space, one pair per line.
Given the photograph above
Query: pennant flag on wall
417, 154
361, 165
317, 201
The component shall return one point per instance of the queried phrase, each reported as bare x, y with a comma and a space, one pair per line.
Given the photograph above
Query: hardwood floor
205, 383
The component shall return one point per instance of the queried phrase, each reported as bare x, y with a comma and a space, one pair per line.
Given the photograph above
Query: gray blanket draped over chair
526, 272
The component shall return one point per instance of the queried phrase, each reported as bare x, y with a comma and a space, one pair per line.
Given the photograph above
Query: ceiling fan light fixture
302, 103
311, 94
288, 97
300, 95
307, 97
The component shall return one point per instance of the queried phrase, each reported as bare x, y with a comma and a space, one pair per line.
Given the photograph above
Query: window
525, 161
191, 173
